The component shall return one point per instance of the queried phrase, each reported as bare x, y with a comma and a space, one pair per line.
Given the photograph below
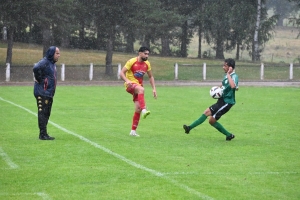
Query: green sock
199, 121
220, 128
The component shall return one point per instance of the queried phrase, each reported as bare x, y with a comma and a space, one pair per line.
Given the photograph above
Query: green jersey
228, 92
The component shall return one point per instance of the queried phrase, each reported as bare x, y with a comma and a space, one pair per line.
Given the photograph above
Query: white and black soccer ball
216, 92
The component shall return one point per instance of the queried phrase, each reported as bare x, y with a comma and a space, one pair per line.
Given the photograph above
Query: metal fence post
176, 71
63, 72
291, 71
7, 74
204, 71
262, 71
91, 72
119, 70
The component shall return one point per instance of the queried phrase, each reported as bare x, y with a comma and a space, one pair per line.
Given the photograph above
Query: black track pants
44, 105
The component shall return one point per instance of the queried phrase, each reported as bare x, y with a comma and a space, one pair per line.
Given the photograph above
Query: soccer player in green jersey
223, 105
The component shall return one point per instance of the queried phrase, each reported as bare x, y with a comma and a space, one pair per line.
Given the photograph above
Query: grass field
93, 156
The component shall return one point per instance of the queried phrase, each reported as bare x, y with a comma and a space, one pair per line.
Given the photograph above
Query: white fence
7, 72
63, 72
291, 72
262, 70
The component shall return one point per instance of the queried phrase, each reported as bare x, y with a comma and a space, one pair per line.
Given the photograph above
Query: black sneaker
46, 137
187, 129
228, 138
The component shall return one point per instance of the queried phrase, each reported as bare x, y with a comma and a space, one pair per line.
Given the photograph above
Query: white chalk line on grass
7, 159
130, 162
40, 194
43, 195
228, 173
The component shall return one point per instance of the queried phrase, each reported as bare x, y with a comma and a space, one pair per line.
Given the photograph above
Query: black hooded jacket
45, 75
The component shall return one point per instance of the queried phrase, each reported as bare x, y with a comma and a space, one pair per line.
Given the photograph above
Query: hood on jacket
50, 53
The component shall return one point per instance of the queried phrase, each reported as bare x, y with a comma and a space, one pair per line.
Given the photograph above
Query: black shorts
220, 108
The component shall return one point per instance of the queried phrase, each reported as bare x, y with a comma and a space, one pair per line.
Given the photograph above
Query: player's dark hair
230, 62
143, 49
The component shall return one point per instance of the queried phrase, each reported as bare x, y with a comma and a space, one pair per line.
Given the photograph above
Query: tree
282, 8
216, 24
164, 23
80, 18
296, 18
256, 54
199, 16
14, 16
241, 25
52, 15
262, 29
113, 24
108, 15
185, 8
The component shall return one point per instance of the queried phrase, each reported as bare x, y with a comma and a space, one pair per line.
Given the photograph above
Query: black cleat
46, 137
187, 129
228, 138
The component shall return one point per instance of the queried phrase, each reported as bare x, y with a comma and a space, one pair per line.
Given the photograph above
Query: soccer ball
216, 92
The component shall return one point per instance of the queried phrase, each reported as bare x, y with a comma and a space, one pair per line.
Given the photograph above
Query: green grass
93, 156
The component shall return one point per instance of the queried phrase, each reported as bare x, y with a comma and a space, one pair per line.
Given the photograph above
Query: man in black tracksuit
44, 88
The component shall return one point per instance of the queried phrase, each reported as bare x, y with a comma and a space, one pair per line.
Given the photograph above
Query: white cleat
145, 113
134, 133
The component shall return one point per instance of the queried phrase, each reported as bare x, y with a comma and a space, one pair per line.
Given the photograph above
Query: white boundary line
40, 194
7, 159
130, 162
228, 173
43, 195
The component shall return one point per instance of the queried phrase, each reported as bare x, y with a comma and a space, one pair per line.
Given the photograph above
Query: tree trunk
109, 52
146, 42
200, 40
99, 38
219, 50
255, 53
165, 46
237, 55
130, 43
10, 42
183, 48
280, 20
81, 33
46, 38
65, 41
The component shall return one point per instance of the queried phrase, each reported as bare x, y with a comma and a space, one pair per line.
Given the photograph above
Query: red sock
135, 120
141, 101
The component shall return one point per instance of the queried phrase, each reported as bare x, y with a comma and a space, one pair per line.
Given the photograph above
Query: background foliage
115, 25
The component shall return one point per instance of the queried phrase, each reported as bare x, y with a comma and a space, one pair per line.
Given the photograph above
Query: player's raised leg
141, 99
